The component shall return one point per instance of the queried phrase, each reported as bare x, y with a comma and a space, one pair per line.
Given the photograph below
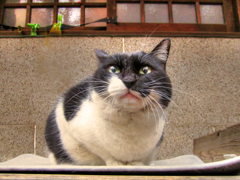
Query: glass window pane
128, 12
184, 13
96, 1
42, 1
212, 14
14, 17
156, 13
66, 1
42, 16
70, 16
93, 14
15, 1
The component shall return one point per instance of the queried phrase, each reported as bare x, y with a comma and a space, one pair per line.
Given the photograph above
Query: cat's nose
129, 81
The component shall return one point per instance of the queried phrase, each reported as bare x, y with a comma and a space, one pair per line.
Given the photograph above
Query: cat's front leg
114, 162
135, 163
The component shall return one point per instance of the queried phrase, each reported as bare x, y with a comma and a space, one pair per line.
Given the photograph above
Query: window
134, 17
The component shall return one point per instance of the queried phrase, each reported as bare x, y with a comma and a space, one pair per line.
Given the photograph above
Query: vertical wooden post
1, 11
170, 12
28, 13
142, 11
55, 12
236, 12
82, 20
228, 15
198, 13
111, 13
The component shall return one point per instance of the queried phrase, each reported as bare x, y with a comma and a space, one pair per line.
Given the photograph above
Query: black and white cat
115, 117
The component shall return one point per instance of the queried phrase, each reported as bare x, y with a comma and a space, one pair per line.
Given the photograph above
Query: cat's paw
114, 163
135, 163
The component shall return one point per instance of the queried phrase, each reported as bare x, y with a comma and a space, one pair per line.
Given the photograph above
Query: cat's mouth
130, 96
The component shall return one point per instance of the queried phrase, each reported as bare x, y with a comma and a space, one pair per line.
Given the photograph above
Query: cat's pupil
145, 70
113, 69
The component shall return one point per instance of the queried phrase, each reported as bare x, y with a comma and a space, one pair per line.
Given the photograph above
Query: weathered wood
144, 27
177, 1
198, 13
236, 13
82, 20
95, 4
28, 15
212, 147
1, 11
55, 12
111, 13
104, 177
170, 12
228, 15
169, 27
142, 11
102, 32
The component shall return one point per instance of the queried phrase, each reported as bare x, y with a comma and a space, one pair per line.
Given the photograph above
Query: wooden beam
236, 12
87, 32
142, 11
1, 11
181, 1
55, 12
198, 13
95, 4
169, 27
28, 15
213, 147
111, 13
228, 15
82, 21
170, 12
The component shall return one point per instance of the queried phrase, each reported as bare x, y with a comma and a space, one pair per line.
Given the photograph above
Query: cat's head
134, 81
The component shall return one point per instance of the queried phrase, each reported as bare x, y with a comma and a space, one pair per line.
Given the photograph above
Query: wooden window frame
231, 27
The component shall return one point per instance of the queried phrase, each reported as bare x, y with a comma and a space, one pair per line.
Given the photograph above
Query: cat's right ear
161, 51
101, 55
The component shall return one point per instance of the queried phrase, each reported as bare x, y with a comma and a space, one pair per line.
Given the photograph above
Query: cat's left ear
101, 55
161, 51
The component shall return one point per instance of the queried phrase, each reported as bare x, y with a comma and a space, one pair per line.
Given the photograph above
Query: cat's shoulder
74, 97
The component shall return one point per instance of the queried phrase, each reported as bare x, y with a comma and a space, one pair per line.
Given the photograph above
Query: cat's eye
145, 70
114, 69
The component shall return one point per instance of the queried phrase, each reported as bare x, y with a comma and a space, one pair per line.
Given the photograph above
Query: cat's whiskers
167, 97
76, 95
154, 81
98, 80
151, 103
160, 107
164, 116
145, 104
170, 88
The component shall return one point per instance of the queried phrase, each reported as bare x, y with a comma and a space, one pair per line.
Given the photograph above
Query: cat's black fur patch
52, 136
74, 97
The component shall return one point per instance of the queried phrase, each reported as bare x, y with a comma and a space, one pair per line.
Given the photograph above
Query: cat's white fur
112, 131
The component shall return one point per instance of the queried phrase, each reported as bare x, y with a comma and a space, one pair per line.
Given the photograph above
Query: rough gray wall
36, 71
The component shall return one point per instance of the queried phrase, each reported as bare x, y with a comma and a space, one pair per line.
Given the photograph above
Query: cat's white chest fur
111, 132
